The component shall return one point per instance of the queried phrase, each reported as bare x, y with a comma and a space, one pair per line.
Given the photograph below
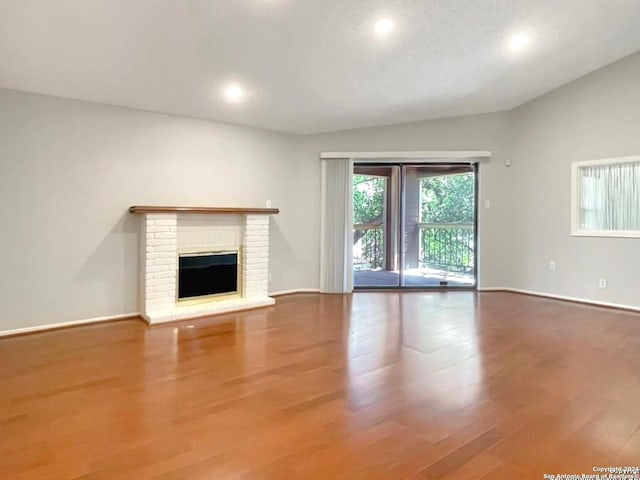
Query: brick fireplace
169, 232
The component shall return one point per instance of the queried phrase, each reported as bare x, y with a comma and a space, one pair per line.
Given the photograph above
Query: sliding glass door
439, 225
414, 226
375, 239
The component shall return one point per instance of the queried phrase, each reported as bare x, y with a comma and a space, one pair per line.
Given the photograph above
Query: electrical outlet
268, 203
269, 278
552, 265
487, 204
603, 283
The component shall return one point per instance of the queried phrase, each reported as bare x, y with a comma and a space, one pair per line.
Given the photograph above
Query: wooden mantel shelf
203, 210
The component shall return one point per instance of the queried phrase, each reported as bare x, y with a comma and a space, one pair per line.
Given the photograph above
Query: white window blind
606, 197
336, 225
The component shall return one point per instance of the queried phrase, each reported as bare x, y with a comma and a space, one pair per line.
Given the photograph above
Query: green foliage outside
368, 207
447, 199
368, 198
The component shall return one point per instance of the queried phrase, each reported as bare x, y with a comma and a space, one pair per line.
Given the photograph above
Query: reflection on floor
414, 277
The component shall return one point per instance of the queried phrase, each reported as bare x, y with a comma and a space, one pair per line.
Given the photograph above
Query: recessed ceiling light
383, 26
234, 92
519, 42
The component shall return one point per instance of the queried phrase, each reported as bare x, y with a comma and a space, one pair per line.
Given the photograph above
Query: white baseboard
87, 321
55, 326
295, 290
561, 297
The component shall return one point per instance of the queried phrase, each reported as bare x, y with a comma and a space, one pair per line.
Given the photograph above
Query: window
606, 198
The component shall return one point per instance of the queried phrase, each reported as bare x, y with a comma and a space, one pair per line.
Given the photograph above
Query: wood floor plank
462, 455
378, 386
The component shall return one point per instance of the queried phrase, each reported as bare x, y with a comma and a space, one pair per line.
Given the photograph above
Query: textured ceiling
309, 65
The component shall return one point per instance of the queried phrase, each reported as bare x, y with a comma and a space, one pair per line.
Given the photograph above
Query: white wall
68, 172
597, 116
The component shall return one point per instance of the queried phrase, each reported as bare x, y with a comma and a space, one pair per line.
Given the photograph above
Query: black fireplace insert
210, 273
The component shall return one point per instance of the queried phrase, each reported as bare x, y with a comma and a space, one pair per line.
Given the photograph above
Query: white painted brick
155, 229
165, 248
255, 229
160, 255
256, 242
162, 216
257, 220
158, 282
165, 289
155, 242
251, 270
256, 254
156, 296
261, 237
160, 299
256, 263
158, 268
255, 258
163, 274
169, 260
259, 277
253, 249
251, 257
257, 247
163, 297
256, 268
258, 272
167, 235
251, 274
167, 223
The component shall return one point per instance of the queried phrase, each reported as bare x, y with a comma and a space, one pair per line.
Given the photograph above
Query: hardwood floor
455, 385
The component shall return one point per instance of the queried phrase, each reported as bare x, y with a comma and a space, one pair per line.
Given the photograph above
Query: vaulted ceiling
306, 66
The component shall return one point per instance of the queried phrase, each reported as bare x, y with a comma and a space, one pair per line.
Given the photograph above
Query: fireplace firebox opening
205, 275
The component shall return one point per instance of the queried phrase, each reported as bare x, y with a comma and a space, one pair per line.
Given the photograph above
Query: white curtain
609, 197
336, 244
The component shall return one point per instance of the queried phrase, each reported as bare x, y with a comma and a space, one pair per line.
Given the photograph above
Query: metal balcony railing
368, 246
447, 246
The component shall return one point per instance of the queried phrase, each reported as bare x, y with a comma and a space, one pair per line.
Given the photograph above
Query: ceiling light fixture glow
234, 93
519, 42
384, 26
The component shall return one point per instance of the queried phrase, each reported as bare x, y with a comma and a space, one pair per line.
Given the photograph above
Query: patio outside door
414, 226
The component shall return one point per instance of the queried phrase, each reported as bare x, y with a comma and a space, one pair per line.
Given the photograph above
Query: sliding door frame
400, 221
